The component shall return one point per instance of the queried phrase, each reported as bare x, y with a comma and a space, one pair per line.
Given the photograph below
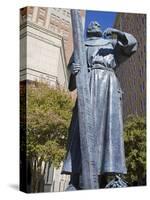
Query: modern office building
132, 73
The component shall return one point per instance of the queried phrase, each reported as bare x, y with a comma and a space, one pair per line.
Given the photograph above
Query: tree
135, 150
48, 117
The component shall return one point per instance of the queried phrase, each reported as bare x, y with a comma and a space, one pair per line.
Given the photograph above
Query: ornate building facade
42, 51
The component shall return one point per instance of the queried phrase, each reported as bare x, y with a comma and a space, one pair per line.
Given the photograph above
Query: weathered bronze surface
102, 98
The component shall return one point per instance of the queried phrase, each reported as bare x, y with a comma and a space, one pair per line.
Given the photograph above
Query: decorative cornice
39, 28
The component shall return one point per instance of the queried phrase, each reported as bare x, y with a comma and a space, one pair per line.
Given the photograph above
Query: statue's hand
75, 68
110, 31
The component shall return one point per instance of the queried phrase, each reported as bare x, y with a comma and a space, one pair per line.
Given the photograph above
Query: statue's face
94, 30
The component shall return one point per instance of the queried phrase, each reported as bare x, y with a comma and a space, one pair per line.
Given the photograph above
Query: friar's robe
103, 57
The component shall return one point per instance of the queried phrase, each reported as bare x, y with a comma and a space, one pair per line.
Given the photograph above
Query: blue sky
105, 19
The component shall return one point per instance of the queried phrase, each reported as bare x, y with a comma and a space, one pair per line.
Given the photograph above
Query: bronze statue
104, 53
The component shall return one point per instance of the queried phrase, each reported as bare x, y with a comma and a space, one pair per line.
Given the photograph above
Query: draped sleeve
124, 47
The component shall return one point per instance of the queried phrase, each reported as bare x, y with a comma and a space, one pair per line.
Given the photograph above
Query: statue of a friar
104, 54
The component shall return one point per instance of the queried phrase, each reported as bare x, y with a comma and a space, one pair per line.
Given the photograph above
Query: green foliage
48, 118
135, 149
51, 151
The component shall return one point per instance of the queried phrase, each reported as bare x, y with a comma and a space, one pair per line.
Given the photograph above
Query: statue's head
94, 29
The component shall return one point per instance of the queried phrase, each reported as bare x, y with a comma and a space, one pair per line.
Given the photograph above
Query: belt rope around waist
101, 67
